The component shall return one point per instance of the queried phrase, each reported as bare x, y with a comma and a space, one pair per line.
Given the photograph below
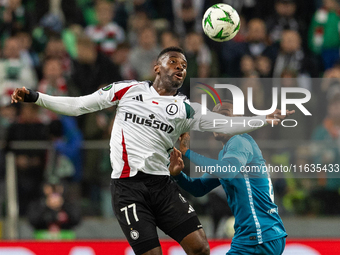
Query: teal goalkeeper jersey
249, 194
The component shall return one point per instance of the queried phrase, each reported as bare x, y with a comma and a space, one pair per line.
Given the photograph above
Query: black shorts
145, 201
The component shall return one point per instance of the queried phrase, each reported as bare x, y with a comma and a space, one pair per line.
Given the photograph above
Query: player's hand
19, 95
185, 143
276, 117
176, 162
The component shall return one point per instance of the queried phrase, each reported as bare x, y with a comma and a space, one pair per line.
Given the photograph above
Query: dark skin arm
185, 143
276, 117
176, 162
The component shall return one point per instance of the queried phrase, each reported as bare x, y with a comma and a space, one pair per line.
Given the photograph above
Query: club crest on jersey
134, 234
156, 124
172, 109
107, 87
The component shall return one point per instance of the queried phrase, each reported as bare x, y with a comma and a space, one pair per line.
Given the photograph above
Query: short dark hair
166, 50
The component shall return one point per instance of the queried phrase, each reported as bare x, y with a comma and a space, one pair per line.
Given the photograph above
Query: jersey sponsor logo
107, 87
191, 209
138, 98
172, 109
134, 234
156, 124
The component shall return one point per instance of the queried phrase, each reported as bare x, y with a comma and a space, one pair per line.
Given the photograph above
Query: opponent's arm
197, 187
227, 168
237, 154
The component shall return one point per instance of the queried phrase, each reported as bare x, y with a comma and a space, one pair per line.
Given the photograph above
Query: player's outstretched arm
215, 122
239, 152
72, 106
197, 187
276, 117
227, 168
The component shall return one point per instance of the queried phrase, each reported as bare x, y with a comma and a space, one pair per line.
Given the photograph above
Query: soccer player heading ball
150, 118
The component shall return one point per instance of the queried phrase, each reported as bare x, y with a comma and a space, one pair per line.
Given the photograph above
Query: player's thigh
134, 216
177, 218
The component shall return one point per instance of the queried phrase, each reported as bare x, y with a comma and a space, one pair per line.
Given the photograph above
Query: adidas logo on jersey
138, 98
156, 124
191, 209
182, 198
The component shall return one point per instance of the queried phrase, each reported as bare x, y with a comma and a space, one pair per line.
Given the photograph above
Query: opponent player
150, 118
258, 227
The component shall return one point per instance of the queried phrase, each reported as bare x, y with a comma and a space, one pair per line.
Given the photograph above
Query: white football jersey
146, 125
145, 129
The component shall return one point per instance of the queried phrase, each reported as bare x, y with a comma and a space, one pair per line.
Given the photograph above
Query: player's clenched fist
19, 95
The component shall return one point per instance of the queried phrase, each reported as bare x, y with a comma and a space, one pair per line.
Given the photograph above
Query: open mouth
179, 76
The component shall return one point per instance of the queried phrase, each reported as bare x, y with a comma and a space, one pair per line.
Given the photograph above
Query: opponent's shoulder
240, 143
250, 140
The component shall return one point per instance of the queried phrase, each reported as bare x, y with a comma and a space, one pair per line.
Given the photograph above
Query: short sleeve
113, 93
215, 122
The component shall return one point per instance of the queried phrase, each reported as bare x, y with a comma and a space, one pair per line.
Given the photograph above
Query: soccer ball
221, 22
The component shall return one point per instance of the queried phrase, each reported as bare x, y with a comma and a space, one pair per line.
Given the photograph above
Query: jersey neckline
154, 91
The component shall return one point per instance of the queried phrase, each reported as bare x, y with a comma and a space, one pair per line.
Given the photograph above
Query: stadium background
74, 47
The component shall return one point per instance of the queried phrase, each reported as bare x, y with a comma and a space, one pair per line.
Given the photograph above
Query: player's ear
156, 68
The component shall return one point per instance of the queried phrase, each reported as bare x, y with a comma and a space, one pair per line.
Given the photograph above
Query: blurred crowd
74, 47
